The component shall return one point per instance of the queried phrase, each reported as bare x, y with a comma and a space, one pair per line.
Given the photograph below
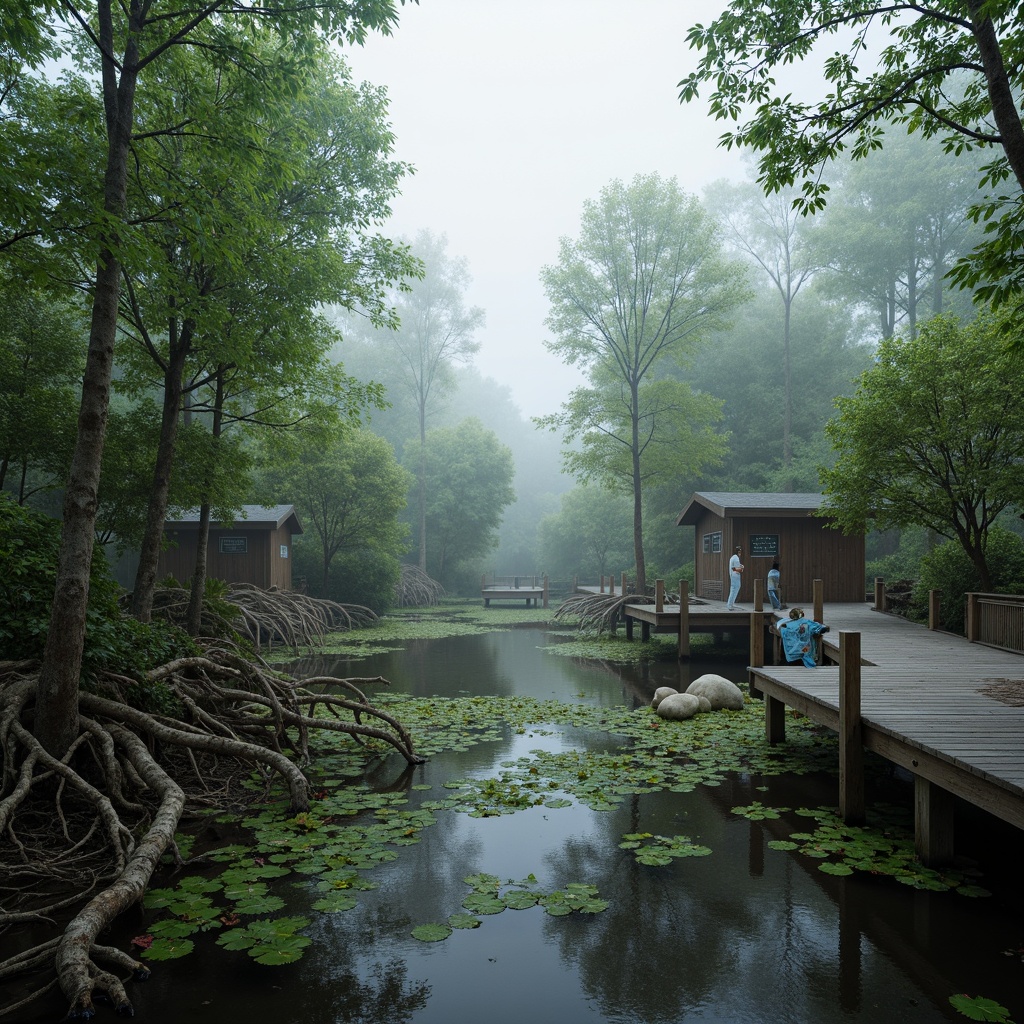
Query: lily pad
431, 932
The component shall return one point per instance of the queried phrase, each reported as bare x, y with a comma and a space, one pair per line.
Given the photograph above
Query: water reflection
746, 934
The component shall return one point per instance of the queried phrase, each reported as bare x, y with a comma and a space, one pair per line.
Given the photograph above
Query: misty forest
202, 309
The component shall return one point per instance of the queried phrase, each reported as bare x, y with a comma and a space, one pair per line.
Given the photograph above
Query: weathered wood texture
260, 563
933, 703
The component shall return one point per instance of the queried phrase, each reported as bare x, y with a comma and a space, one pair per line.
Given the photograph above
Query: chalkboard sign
764, 545
234, 545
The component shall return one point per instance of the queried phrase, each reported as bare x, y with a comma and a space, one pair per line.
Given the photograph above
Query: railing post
611, 585
972, 625
684, 619
756, 648
879, 594
818, 589
602, 584
934, 608
659, 596
851, 739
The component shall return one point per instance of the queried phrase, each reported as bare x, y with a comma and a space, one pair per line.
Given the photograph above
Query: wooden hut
770, 527
256, 548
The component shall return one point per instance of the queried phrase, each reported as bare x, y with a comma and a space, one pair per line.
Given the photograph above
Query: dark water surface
747, 934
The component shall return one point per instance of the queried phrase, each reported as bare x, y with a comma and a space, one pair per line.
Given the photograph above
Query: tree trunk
57, 708
1004, 109
638, 503
197, 588
156, 516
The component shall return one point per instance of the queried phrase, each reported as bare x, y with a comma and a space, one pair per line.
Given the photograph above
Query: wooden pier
949, 711
515, 588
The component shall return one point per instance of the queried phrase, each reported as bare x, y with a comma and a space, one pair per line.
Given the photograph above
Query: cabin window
233, 545
712, 543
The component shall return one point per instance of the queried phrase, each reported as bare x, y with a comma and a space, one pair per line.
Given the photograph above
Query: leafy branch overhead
946, 69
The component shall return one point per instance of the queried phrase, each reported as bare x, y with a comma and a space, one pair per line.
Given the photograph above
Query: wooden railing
511, 582
996, 620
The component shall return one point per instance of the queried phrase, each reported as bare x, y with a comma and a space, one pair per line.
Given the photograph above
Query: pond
739, 931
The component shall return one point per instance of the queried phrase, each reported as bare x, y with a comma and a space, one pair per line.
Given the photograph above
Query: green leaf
431, 932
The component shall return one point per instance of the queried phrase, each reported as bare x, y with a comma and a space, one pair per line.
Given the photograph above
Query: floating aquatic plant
658, 851
980, 1008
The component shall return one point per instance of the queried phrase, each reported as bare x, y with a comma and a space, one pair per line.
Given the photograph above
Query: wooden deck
935, 704
515, 588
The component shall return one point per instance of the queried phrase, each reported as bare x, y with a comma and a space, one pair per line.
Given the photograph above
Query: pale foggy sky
516, 111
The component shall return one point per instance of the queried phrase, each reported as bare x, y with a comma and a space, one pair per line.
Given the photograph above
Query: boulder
718, 690
660, 694
678, 706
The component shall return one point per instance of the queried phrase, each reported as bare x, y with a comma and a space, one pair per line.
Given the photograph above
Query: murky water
747, 934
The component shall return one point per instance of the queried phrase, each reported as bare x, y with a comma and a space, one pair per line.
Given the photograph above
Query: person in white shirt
773, 586
735, 576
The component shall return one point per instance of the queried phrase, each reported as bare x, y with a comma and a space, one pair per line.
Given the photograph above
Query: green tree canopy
933, 436
632, 297
348, 487
948, 68
588, 536
469, 475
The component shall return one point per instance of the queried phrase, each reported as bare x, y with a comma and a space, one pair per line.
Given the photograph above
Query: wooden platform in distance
534, 594
931, 702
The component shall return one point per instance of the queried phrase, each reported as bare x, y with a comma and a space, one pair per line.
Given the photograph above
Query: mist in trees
638, 291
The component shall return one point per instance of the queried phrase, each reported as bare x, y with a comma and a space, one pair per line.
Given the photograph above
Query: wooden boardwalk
949, 711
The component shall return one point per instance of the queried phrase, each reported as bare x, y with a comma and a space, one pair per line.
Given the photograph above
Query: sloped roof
737, 504
270, 516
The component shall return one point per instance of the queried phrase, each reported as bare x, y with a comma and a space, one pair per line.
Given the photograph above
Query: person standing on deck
735, 576
773, 586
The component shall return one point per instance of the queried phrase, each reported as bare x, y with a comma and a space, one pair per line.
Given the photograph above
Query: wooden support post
972, 622
645, 631
851, 738
684, 619
934, 608
818, 589
879, 594
545, 590
774, 720
575, 584
659, 596
601, 588
756, 650
933, 823
611, 585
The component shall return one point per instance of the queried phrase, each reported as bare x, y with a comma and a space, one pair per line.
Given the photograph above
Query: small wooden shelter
770, 527
256, 548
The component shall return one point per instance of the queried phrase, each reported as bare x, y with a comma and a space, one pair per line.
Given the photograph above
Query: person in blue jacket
773, 586
799, 638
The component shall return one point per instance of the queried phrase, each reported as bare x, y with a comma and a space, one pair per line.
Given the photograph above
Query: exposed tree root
83, 834
595, 613
415, 589
283, 618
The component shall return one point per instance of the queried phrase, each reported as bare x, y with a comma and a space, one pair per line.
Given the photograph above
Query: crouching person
800, 638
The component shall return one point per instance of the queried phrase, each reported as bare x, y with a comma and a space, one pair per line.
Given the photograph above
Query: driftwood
85, 832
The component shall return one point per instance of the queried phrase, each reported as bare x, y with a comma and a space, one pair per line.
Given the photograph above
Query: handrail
996, 620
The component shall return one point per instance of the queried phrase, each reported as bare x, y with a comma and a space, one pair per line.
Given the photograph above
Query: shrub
948, 569
366, 577
29, 549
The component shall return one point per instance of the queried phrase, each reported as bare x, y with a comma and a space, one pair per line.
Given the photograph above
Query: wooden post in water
659, 596
818, 590
933, 823
851, 738
879, 594
934, 608
756, 647
684, 619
